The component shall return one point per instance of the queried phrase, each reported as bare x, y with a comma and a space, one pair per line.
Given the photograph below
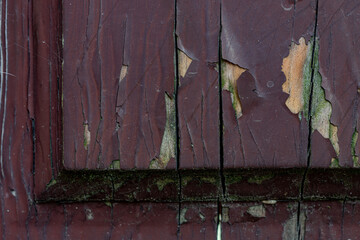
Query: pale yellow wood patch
292, 67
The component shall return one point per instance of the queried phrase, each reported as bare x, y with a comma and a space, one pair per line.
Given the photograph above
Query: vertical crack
177, 142
310, 103
310, 121
221, 122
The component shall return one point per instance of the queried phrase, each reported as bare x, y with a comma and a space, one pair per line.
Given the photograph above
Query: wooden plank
116, 86
260, 130
197, 30
145, 221
256, 220
16, 111
324, 220
198, 221
338, 66
46, 69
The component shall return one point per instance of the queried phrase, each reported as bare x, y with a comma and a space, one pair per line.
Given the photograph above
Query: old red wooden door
209, 119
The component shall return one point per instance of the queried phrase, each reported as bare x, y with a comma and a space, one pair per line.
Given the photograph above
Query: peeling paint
218, 229
293, 68
321, 108
269, 202
184, 62
115, 164
354, 140
168, 144
230, 73
334, 163
182, 218
123, 72
298, 68
291, 227
86, 136
225, 215
257, 211
89, 214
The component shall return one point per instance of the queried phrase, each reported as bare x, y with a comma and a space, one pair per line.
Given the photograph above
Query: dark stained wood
256, 220
16, 111
145, 221
47, 83
108, 115
324, 220
198, 221
30, 114
197, 31
339, 58
256, 36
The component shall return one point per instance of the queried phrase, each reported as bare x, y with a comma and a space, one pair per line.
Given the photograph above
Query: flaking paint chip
293, 68
183, 63
86, 136
168, 144
230, 73
123, 72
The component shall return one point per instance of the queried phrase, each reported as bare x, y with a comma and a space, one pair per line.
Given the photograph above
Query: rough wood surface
197, 31
30, 133
339, 59
115, 85
258, 220
256, 37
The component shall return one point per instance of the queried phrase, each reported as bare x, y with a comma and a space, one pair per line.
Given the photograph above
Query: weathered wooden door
206, 119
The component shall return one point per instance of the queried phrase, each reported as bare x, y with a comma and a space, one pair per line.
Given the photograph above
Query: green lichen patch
321, 108
229, 75
115, 165
259, 179
354, 140
161, 183
231, 178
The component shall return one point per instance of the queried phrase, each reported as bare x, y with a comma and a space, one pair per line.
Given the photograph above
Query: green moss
258, 179
211, 180
115, 164
161, 183
232, 178
185, 180
334, 163
354, 140
51, 183
307, 72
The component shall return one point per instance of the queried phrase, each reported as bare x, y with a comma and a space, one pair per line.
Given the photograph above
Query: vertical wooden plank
323, 220
16, 97
260, 130
256, 220
338, 74
198, 27
144, 221
350, 220
46, 72
118, 73
198, 221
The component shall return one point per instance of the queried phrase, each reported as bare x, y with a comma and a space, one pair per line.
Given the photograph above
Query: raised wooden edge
203, 185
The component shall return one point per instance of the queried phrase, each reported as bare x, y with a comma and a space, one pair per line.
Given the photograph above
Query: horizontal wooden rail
203, 185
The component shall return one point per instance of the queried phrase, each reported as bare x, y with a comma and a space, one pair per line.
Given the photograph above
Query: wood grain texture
339, 61
47, 77
256, 220
113, 114
198, 221
197, 31
16, 111
256, 36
